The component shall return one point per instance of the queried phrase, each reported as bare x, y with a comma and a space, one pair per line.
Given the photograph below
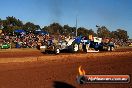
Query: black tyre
111, 48
84, 48
57, 51
70, 49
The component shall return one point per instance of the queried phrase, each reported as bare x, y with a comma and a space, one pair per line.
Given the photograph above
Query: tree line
11, 23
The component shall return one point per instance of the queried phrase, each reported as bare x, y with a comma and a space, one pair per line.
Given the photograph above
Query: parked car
5, 46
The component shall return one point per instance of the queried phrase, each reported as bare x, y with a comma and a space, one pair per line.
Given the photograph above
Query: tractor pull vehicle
77, 44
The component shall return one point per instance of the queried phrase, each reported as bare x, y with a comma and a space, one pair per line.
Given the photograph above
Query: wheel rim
75, 47
87, 47
57, 51
112, 48
108, 48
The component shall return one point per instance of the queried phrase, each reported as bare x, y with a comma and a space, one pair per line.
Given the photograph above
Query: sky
113, 14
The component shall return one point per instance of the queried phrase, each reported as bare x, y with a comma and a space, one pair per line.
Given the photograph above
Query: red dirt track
60, 71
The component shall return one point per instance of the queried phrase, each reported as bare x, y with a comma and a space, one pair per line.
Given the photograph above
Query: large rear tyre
87, 48
76, 47
56, 49
73, 48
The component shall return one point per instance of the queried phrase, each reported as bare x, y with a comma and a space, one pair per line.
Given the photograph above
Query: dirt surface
60, 71
11, 53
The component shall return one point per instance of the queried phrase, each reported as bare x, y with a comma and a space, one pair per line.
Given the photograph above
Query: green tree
91, 32
1, 24
114, 35
30, 27
11, 24
69, 31
82, 31
85, 32
122, 34
45, 28
57, 28
14, 22
103, 32
54, 29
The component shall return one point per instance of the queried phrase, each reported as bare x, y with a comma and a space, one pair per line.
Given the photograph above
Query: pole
76, 26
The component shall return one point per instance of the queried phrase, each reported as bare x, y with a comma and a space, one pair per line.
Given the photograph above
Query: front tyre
57, 51
112, 48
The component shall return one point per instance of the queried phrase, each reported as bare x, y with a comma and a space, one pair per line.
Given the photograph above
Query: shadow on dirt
58, 84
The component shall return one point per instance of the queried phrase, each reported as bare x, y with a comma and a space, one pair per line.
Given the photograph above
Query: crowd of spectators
29, 40
32, 40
